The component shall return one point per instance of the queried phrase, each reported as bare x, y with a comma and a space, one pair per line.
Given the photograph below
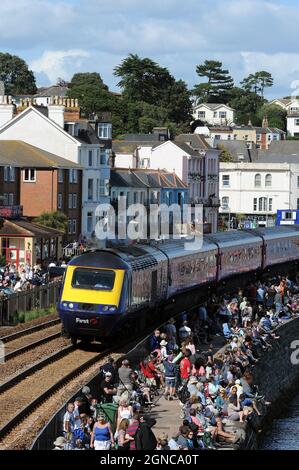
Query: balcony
11, 212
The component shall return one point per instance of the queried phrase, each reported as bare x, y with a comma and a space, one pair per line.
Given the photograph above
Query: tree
246, 104
257, 82
143, 79
153, 97
17, 78
92, 93
275, 114
218, 85
225, 156
56, 219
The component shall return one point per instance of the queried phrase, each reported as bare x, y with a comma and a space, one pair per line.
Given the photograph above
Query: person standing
185, 367
102, 436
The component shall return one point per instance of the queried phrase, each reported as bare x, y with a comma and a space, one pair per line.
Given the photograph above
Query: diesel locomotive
116, 291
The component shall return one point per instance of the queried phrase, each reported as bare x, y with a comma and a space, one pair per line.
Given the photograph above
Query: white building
258, 189
56, 131
214, 113
291, 106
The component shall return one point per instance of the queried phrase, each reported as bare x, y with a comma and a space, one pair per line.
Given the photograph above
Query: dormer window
104, 130
72, 128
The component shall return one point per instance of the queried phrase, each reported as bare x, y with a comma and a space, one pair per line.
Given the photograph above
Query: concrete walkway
167, 414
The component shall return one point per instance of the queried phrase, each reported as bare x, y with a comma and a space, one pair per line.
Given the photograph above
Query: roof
20, 154
196, 141
236, 148
213, 106
123, 146
145, 178
268, 130
24, 228
185, 147
87, 133
288, 153
143, 137
54, 90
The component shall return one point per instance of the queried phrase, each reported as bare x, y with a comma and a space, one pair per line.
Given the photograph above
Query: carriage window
94, 279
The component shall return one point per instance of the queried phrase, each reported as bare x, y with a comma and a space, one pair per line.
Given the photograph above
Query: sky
58, 38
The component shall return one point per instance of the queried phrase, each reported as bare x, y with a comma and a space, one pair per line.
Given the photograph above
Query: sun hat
101, 415
237, 382
86, 390
60, 441
163, 342
193, 380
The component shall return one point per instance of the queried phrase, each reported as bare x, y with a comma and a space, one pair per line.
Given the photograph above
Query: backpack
183, 393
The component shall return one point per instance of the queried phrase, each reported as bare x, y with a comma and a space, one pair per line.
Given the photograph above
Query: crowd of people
18, 278
214, 391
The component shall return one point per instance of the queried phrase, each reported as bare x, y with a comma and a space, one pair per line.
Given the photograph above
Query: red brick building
40, 181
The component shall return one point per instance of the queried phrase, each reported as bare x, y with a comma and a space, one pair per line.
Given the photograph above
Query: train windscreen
93, 279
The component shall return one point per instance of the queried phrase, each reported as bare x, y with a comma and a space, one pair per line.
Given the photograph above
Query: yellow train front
93, 297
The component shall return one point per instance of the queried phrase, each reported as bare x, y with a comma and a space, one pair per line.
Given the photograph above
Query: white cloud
56, 64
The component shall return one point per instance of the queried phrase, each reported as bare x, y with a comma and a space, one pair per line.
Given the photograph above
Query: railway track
21, 395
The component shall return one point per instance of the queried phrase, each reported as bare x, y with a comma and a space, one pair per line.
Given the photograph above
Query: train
112, 292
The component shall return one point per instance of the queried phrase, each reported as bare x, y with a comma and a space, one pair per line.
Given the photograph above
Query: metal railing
25, 301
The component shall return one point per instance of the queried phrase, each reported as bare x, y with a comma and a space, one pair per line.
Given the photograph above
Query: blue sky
60, 37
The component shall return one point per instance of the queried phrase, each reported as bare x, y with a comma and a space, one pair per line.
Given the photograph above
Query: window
296, 122
29, 175
258, 180
93, 279
275, 137
217, 137
73, 175
294, 110
70, 201
258, 137
222, 114
6, 175
9, 173
262, 204
70, 226
90, 158
235, 136
255, 204
225, 181
74, 226
215, 114
201, 114
11, 199
269, 137
90, 189
268, 180
258, 146
229, 137
225, 202
270, 204
135, 198
246, 137
297, 181
103, 157
105, 130
60, 176
89, 222
297, 204
74, 201
59, 201
5, 202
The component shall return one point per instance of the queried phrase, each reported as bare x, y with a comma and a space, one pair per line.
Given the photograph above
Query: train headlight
64, 304
71, 305
112, 309
105, 308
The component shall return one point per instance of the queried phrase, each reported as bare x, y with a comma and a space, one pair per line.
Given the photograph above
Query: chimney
56, 111
265, 122
6, 109
249, 122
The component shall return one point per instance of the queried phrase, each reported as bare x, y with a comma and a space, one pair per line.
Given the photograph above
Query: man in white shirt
184, 331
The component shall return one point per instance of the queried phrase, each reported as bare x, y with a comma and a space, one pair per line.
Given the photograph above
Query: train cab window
94, 279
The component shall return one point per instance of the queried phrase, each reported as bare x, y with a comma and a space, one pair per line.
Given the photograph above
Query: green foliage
24, 317
56, 220
246, 104
225, 156
218, 84
14, 72
257, 82
290, 137
2, 261
92, 93
275, 114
